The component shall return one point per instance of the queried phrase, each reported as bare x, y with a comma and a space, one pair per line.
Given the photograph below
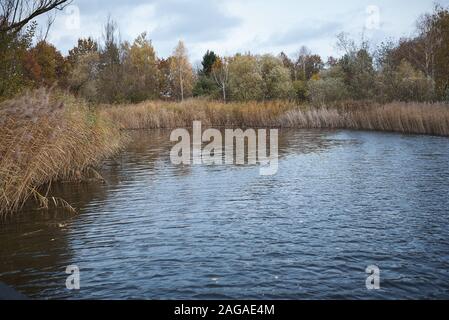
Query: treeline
114, 71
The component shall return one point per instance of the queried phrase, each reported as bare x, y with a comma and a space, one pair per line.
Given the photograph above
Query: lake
340, 202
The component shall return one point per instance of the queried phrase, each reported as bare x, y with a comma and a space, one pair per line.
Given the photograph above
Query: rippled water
341, 201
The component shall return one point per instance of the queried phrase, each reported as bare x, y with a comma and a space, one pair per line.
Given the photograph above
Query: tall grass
157, 114
44, 138
416, 118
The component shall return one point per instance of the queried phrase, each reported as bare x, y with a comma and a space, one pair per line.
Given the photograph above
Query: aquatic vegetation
418, 118
48, 137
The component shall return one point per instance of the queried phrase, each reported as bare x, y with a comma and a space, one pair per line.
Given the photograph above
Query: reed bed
416, 118
45, 138
157, 114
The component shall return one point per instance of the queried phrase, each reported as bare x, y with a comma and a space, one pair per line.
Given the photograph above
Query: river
341, 201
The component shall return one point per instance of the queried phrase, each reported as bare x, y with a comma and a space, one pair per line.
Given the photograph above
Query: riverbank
412, 118
52, 137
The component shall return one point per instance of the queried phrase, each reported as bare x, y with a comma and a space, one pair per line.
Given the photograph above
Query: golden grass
419, 118
44, 138
158, 114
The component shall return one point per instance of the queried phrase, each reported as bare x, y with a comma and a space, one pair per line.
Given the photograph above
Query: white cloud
238, 26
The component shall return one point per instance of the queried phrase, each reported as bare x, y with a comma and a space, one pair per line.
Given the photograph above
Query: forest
114, 71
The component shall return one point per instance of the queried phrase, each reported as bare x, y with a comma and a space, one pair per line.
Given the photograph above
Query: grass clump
47, 137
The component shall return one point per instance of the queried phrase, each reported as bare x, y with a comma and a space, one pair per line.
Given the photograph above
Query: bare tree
15, 14
45, 30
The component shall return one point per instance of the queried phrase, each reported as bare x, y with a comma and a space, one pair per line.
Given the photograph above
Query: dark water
341, 201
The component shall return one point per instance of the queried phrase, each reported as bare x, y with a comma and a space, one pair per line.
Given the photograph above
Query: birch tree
220, 71
181, 71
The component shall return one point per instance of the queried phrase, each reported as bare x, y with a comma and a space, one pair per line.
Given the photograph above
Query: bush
325, 91
300, 90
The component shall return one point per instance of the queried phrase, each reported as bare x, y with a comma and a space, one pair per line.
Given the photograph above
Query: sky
231, 26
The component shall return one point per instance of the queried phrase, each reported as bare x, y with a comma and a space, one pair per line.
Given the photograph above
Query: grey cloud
192, 21
304, 33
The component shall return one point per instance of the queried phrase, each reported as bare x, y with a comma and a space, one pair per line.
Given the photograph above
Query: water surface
341, 201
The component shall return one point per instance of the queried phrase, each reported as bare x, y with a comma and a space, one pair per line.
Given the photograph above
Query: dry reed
419, 118
43, 139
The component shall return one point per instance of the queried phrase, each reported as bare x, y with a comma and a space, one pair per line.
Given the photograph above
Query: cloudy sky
230, 26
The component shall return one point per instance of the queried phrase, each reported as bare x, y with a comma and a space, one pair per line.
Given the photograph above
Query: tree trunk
224, 93
182, 85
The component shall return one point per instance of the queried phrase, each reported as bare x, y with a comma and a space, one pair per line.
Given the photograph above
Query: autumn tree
245, 79
83, 77
110, 82
289, 64
85, 65
357, 65
16, 62
165, 81
140, 70
84, 46
220, 72
307, 64
277, 83
53, 68
441, 52
18, 67
181, 72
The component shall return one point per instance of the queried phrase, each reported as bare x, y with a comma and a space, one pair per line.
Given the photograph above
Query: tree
206, 84
181, 72
300, 64
288, 63
412, 84
245, 80
110, 82
141, 71
51, 64
165, 81
441, 56
220, 71
83, 78
357, 67
208, 61
14, 60
307, 64
329, 90
84, 46
276, 78
16, 14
